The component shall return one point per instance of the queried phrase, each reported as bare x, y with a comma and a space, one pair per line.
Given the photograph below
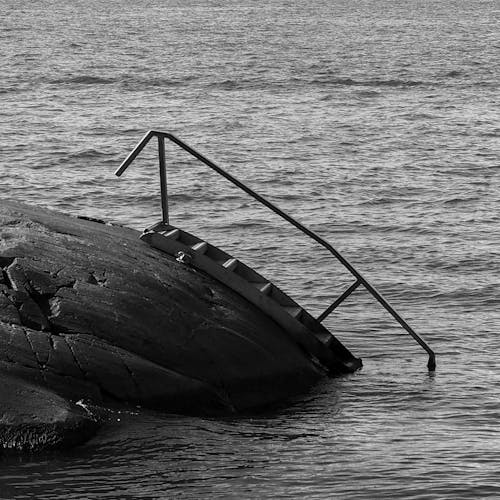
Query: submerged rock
33, 419
88, 310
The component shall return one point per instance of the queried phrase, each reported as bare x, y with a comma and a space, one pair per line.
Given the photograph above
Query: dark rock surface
87, 310
33, 419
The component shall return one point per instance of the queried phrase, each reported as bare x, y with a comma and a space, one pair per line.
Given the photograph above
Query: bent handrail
360, 279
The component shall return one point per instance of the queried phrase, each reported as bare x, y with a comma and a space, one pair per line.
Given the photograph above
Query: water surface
374, 123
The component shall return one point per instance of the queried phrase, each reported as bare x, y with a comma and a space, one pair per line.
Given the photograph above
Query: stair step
217, 255
263, 287
173, 234
230, 264
200, 247
323, 337
294, 311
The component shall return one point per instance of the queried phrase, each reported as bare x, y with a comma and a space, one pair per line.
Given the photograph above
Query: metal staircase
306, 330
309, 333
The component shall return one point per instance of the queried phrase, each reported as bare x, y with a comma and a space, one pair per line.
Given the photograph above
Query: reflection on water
389, 431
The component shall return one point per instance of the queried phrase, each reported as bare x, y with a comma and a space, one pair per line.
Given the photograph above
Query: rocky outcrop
87, 310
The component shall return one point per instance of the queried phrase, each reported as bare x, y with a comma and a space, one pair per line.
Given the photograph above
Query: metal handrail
360, 279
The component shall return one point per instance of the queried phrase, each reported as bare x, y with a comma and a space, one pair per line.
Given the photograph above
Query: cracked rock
88, 310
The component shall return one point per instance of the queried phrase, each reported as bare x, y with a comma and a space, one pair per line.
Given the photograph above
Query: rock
34, 419
89, 311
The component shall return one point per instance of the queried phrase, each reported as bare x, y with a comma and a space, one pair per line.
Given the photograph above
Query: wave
460, 200
494, 133
489, 84
140, 82
87, 154
126, 81
132, 81
349, 82
453, 73
367, 93
82, 80
226, 84
246, 83
13, 89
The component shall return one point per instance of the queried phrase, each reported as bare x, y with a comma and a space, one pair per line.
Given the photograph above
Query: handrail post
163, 178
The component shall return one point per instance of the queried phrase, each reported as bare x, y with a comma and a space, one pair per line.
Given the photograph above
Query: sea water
376, 124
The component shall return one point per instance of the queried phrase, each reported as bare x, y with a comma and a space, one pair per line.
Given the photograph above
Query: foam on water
373, 122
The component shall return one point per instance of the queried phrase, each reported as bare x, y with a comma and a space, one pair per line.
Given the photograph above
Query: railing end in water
431, 364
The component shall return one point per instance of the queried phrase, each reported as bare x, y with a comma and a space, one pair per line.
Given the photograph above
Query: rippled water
376, 123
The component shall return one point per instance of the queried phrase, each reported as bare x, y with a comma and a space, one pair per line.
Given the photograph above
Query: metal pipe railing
360, 280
